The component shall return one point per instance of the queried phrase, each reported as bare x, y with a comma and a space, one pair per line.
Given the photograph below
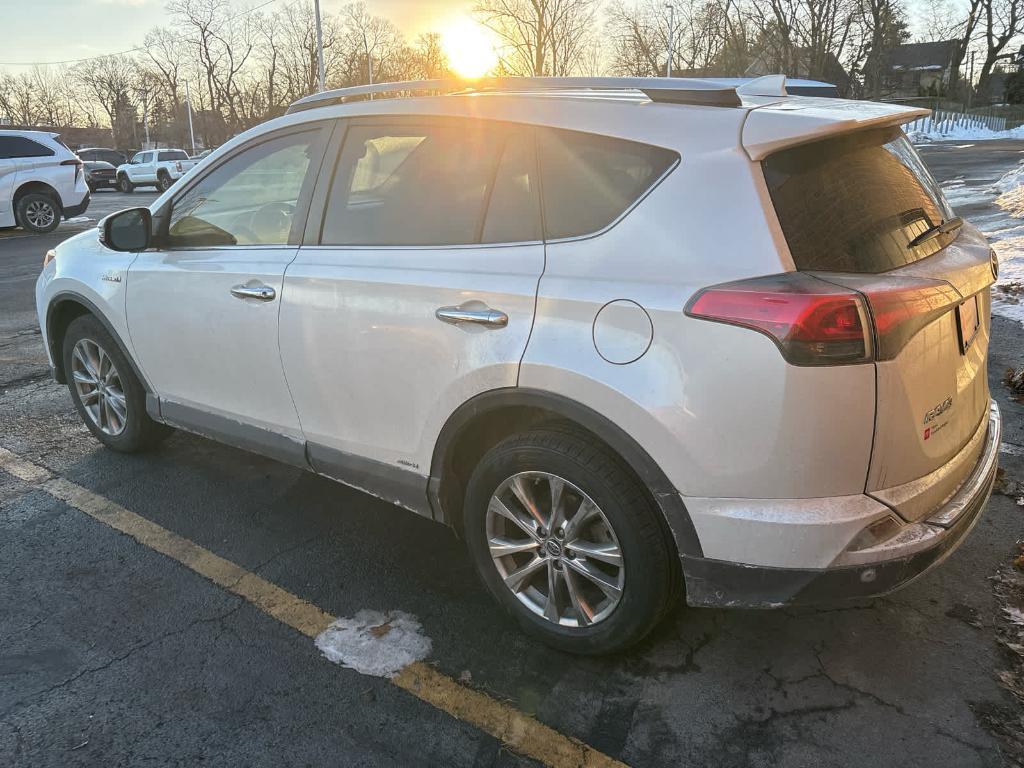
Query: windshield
857, 203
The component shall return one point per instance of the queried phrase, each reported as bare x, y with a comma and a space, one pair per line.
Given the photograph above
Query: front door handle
492, 318
258, 292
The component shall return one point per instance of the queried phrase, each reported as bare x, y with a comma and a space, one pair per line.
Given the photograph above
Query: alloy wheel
555, 549
40, 214
99, 387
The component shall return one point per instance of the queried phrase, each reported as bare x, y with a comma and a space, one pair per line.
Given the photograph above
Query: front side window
19, 146
248, 200
439, 183
856, 203
590, 180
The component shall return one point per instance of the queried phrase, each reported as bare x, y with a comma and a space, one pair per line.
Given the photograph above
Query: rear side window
589, 180
175, 155
19, 146
856, 202
433, 184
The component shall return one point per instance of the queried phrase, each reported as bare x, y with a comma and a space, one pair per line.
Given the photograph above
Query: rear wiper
942, 228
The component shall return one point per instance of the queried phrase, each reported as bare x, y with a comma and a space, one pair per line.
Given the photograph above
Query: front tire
124, 184
566, 539
108, 396
38, 213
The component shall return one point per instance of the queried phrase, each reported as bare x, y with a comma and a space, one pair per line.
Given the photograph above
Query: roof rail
675, 90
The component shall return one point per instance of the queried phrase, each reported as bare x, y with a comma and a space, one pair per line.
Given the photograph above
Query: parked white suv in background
633, 338
155, 167
41, 181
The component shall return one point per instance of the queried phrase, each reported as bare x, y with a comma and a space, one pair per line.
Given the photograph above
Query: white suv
41, 181
632, 339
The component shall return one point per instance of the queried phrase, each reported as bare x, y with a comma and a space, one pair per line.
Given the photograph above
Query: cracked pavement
113, 655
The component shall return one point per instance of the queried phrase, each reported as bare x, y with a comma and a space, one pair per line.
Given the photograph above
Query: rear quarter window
588, 181
19, 146
856, 202
176, 155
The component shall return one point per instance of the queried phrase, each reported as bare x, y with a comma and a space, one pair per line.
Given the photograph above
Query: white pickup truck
153, 168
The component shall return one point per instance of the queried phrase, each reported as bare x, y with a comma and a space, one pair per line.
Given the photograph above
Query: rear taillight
831, 320
811, 321
900, 307
178, 166
79, 165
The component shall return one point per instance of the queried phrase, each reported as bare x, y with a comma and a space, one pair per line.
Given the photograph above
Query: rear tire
38, 213
600, 607
164, 182
107, 394
124, 184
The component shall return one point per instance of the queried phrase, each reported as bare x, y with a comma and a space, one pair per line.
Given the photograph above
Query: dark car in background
100, 175
103, 154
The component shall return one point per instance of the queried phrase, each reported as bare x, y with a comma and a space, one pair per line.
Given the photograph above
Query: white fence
940, 121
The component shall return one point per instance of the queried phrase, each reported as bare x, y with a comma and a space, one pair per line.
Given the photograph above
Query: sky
79, 28
74, 29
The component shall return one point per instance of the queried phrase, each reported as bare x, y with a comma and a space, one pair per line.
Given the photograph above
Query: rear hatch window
855, 203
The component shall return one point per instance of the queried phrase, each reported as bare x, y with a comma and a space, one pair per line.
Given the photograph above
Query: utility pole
970, 81
369, 61
671, 37
188, 107
145, 114
319, 43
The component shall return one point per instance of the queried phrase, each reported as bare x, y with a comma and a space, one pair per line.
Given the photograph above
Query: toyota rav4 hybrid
638, 341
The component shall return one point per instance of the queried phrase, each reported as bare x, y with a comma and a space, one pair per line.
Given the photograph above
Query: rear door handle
258, 292
492, 318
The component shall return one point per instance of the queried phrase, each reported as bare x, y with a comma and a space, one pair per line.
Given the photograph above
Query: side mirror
130, 230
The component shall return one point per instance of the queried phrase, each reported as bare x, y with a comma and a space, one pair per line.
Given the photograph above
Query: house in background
916, 69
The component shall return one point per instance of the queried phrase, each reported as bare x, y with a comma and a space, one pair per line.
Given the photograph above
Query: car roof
759, 118
28, 134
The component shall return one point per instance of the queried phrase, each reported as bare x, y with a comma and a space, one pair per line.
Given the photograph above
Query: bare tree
539, 37
111, 81
1003, 22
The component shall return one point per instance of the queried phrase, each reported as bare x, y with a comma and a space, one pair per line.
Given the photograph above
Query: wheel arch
481, 422
38, 187
63, 308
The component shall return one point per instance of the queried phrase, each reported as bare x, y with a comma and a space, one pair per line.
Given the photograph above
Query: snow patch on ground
78, 220
959, 194
375, 643
946, 131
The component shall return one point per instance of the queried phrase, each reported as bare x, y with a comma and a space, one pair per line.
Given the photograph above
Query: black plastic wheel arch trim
55, 352
665, 495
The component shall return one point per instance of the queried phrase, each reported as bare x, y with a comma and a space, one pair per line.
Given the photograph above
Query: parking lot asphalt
115, 654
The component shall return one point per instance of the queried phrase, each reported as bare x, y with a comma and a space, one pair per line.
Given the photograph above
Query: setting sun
469, 47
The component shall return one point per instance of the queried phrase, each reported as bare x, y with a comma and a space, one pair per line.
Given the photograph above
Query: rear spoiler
782, 124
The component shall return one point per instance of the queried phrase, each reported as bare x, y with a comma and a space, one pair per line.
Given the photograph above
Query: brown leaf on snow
381, 629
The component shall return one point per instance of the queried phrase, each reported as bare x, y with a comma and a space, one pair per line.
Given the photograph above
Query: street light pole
671, 37
188, 107
319, 43
369, 61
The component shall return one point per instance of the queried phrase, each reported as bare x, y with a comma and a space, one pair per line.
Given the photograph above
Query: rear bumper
77, 210
884, 568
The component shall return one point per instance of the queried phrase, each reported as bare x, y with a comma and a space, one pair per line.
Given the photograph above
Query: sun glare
469, 48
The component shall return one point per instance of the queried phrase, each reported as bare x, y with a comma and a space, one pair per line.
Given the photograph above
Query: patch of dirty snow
78, 220
958, 194
375, 643
1010, 180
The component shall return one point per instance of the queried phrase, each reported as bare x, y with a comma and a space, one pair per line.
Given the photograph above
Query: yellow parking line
519, 731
